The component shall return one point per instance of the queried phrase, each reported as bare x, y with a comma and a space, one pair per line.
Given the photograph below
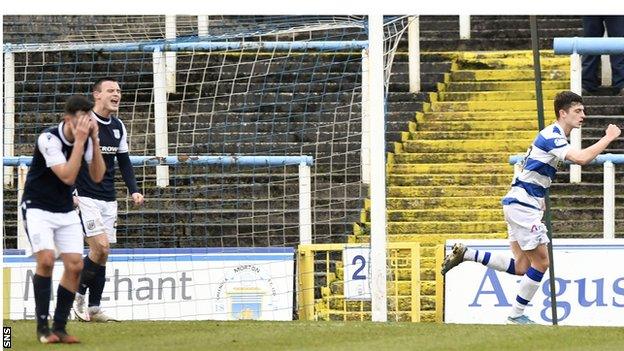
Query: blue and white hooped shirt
539, 168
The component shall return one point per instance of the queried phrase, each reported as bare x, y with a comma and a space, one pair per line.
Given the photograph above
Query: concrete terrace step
414, 215
513, 75
547, 63
487, 116
472, 202
495, 105
492, 145
450, 168
409, 158
508, 95
446, 191
448, 179
498, 86
485, 126
445, 227
453, 135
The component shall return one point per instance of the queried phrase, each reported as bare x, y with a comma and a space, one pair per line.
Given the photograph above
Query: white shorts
98, 217
53, 231
525, 226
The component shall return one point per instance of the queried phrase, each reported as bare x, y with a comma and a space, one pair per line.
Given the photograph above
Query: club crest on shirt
91, 224
116, 133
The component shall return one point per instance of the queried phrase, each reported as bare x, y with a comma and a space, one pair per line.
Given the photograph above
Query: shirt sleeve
51, 148
561, 148
123, 143
88, 155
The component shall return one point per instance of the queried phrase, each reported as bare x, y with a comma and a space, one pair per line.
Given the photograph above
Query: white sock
494, 261
529, 284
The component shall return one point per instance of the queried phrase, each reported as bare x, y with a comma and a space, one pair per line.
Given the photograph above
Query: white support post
365, 155
413, 50
22, 239
464, 26
378, 253
9, 113
609, 200
575, 135
170, 34
202, 26
160, 117
305, 205
605, 64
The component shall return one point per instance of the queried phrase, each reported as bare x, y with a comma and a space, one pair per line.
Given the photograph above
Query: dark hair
77, 103
565, 99
98, 83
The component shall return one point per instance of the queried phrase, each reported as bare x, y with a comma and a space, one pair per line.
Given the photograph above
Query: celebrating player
97, 201
48, 213
524, 204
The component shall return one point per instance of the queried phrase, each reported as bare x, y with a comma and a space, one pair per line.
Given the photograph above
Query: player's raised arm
586, 155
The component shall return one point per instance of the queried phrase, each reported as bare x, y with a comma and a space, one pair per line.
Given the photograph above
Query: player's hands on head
138, 199
613, 131
82, 128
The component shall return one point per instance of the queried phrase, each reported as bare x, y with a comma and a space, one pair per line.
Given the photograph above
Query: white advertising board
589, 286
176, 284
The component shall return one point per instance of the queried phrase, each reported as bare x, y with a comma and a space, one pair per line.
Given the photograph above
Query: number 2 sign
356, 273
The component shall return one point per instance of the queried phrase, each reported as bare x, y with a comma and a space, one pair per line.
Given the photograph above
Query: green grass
360, 336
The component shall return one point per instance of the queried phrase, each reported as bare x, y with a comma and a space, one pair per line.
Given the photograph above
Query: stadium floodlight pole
378, 170
540, 118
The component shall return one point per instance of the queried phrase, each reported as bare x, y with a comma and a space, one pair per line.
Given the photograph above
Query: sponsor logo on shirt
109, 149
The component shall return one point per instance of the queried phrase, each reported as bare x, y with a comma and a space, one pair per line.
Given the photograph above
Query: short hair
98, 83
77, 103
565, 99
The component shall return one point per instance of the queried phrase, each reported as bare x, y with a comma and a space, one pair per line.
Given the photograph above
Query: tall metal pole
540, 118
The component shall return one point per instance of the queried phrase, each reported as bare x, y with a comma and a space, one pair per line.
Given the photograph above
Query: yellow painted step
516, 74
442, 238
520, 105
495, 95
506, 85
481, 55
449, 179
451, 168
492, 145
446, 191
559, 62
478, 125
485, 134
444, 215
488, 116
395, 228
499, 157
473, 202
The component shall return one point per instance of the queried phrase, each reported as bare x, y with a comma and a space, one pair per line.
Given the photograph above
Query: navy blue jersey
43, 189
113, 143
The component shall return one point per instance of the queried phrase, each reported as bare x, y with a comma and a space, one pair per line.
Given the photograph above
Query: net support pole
413, 53
464, 26
609, 200
305, 205
9, 113
160, 117
22, 239
378, 171
170, 34
202, 25
537, 73
365, 155
575, 135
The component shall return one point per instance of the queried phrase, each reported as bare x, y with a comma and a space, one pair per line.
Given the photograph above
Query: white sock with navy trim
494, 261
529, 284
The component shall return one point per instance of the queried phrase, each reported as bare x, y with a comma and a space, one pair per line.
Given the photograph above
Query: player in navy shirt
97, 201
48, 214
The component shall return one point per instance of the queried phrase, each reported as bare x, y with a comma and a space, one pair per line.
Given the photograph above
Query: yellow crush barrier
320, 294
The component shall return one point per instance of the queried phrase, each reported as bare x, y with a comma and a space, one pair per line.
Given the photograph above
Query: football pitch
249, 335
